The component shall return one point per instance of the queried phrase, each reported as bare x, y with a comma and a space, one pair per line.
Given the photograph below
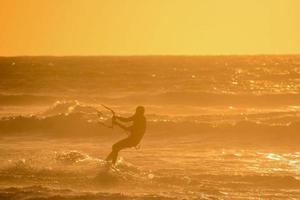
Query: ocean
218, 127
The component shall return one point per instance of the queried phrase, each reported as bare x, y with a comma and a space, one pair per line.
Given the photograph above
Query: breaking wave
67, 166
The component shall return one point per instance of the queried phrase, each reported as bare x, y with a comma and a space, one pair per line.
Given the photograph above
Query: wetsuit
136, 133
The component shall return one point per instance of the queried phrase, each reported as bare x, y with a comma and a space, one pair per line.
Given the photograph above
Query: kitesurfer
135, 132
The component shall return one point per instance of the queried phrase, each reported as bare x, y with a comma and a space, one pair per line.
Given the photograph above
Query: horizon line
150, 55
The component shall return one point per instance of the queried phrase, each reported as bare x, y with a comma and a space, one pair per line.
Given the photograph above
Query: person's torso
138, 128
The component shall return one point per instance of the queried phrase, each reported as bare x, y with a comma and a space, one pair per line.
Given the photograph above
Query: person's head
140, 110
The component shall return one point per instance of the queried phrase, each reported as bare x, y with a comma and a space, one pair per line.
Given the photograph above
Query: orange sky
135, 27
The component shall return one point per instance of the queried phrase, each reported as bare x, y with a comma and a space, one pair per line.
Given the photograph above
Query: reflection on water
173, 169
219, 127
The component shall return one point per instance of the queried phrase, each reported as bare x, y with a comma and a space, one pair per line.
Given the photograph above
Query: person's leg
113, 152
125, 143
115, 157
109, 157
118, 147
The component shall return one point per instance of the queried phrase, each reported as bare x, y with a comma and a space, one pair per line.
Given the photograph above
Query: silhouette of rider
136, 132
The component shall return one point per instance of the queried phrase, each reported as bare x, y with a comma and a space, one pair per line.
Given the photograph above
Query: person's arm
125, 128
124, 119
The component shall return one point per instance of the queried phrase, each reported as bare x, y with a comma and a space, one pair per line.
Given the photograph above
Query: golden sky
135, 27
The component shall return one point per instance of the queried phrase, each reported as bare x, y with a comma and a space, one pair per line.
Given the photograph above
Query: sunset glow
135, 27
149, 99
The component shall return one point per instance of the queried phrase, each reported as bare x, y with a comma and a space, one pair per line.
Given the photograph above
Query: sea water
218, 127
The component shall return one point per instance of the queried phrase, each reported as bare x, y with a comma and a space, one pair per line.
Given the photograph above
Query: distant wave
63, 118
72, 118
25, 99
164, 98
71, 124
211, 99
